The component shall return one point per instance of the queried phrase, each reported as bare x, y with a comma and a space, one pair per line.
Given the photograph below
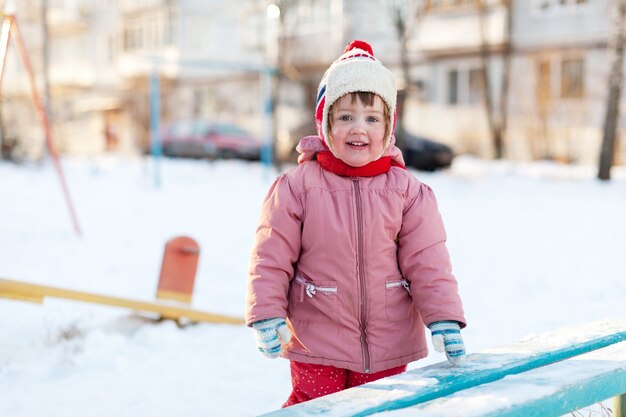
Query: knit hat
356, 70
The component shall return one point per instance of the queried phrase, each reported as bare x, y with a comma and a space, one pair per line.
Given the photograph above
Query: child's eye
372, 119
344, 117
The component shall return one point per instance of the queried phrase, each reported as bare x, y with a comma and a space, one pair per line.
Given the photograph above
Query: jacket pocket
399, 302
309, 301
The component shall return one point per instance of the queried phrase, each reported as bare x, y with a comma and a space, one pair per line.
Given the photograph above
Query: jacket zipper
403, 282
311, 289
363, 298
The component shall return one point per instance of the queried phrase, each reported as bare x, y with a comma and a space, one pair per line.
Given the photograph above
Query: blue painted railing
442, 381
572, 397
461, 380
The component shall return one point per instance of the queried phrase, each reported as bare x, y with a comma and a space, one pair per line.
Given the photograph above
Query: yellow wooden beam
174, 296
21, 297
34, 292
619, 406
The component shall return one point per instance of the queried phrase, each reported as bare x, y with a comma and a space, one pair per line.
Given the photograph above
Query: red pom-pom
360, 45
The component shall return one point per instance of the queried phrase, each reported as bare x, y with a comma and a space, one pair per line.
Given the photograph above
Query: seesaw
175, 284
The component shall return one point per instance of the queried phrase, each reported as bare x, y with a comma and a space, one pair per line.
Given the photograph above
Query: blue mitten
447, 337
270, 334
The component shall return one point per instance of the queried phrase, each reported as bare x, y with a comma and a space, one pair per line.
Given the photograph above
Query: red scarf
329, 162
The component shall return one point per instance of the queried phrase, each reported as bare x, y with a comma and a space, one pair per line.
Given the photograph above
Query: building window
476, 86
453, 87
149, 31
572, 78
111, 48
196, 29
169, 28
464, 86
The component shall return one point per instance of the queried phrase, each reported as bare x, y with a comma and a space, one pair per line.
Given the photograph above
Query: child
350, 259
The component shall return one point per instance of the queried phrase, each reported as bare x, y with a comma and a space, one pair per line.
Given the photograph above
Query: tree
616, 77
497, 117
277, 54
404, 15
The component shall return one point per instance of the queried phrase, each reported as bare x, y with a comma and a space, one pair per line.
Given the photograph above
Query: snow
535, 247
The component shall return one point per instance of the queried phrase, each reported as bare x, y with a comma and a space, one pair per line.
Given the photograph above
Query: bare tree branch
403, 15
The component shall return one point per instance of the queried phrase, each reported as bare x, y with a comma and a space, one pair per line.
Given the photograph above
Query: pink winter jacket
357, 265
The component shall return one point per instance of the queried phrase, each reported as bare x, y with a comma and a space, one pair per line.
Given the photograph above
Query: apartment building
557, 69
558, 76
103, 53
207, 55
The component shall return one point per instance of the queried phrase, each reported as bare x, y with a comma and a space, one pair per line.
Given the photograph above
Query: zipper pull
310, 289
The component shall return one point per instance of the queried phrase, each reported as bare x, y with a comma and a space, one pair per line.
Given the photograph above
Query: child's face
358, 131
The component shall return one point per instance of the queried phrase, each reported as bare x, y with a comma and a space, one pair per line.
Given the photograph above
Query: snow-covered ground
535, 248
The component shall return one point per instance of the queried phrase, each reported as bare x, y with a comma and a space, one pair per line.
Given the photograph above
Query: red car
204, 139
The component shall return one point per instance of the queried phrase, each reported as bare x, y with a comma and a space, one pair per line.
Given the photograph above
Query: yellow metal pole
34, 292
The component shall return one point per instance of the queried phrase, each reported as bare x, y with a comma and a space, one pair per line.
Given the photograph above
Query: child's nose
358, 125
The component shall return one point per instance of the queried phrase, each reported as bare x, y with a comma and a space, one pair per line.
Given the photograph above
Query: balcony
69, 20
442, 34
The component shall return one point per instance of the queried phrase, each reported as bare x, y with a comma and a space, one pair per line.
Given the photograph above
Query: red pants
311, 381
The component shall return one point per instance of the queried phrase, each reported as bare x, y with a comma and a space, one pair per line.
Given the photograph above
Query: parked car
426, 154
204, 139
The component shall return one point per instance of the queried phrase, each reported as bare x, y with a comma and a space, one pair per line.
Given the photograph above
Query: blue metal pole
268, 122
155, 124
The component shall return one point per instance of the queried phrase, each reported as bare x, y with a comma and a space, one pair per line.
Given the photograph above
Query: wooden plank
619, 406
22, 297
569, 398
441, 380
31, 292
553, 390
464, 380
